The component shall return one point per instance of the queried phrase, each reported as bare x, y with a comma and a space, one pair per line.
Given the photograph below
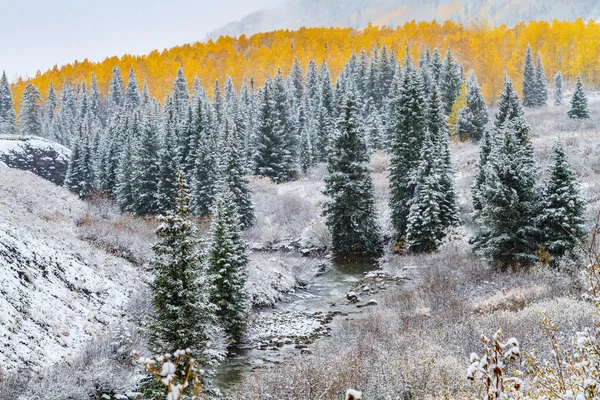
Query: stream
296, 322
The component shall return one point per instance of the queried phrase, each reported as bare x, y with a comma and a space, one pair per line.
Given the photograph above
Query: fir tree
424, 224
473, 119
166, 193
183, 316
8, 117
117, 99
132, 92
350, 210
408, 126
79, 178
205, 173
541, 83
296, 79
226, 263
561, 220
272, 157
181, 98
530, 86
146, 168
579, 103
436, 67
31, 111
451, 82
509, 202
124, 191
95, 99
558, 90
232, 175
485, 147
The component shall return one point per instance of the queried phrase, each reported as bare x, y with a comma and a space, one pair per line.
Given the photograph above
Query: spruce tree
485, 148
296, 79
166, 193
558, 89
541, 83
509, 202
79, 178
183, 317
95, 99
117, 99
350, 210
31, 111
450, 82
561, 220
181, 98
473, 119
226, 261
132, 92
530, 86
424, 224
124, 191
146, 167
436, 67
8, 117
579, 103
232, 175
408, 127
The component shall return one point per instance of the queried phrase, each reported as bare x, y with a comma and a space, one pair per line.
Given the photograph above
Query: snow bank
56, 291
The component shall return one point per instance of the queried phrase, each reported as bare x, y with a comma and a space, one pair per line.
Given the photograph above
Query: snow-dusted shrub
380, 162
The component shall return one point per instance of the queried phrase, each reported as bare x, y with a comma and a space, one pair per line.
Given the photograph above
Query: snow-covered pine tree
312, 87
168, 167
116, 96
450, 82
232, 175
579, 103
181, 99
306, 148
436, 67
350, 210
249, 111
485, 148
49, 112
31, 111
146, 168
510, 110
95, 99
205, 173
296, 81
272, 154
541, 83
424, 224
226, 261
8, 117
79, 178
561, 220
558, 89
530, 87
438, 130
132, 92
408, 127
124, 193
183, 317
473, 119
509, 203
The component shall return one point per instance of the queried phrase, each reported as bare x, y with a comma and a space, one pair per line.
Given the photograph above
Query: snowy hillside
41, 156
294, 14
56, 291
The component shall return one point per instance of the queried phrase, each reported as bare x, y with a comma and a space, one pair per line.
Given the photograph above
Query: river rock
371, 302
352, 296
305, 351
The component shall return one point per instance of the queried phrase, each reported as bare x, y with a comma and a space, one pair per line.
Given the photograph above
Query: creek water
326, 292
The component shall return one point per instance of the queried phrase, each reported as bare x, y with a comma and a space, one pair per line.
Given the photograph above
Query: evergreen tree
436, 67
408, 126
79, 178
296, 79
444, 172
49, 112
206, 171
306, 135
510, 110
509, 202
166, 193
183, 315
232, 175
95, 99
450, 82
485, 148
226, 263
8, 117
541, 83
181, 98
311, 90
350, 211
132, 92
558, 90
530, 86
561, 220
124, 191
424, 224
117, 99
31, 111
272, 157
579, 103
473, 119
146, 168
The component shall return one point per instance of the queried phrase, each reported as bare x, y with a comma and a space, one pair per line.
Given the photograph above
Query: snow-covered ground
57, 292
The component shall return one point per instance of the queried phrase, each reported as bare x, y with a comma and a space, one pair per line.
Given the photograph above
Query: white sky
36, 34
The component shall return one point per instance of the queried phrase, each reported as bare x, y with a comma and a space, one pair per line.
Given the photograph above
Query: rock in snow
43, 157
56, 291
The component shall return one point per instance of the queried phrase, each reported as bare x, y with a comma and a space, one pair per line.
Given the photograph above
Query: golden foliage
571, 47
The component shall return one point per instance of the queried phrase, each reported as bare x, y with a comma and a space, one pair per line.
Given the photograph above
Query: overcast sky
36, 34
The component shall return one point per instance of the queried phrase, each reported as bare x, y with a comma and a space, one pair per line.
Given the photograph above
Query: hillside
358, 14
56, 291
566, 46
